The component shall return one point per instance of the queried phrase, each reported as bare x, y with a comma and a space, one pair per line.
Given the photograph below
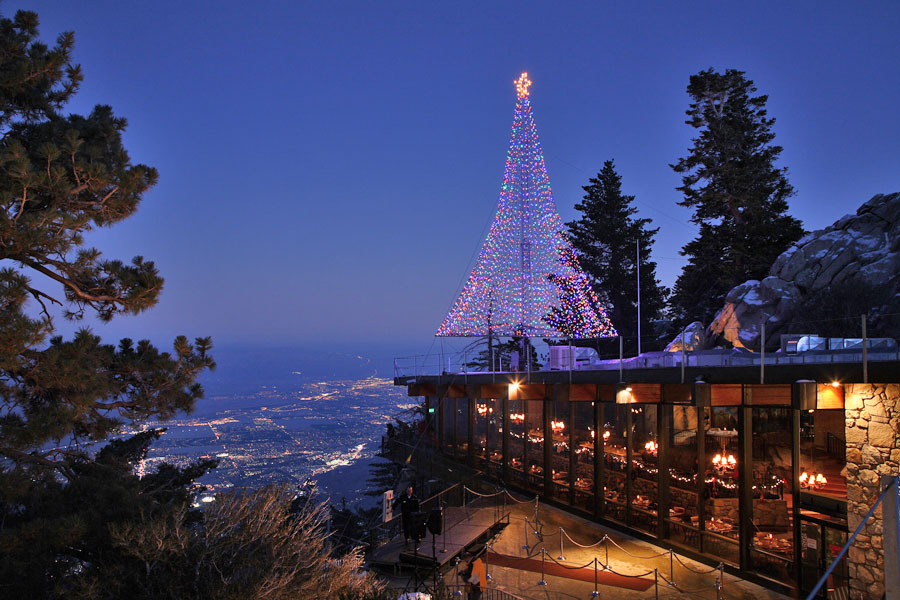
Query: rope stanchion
635, 555
487, 570
600, 541
714, 569
656, 582
561, 555
456, 579
571, 567
682, 590
671, 566
525, 547
542, 581
596, 592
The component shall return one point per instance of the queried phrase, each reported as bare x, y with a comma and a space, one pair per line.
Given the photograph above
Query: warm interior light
514, 386
606, 435
731, 460
717, 459
628, 389
820, 479
835, 383
803, 477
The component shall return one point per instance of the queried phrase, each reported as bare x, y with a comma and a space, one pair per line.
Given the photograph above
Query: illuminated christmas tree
527, 280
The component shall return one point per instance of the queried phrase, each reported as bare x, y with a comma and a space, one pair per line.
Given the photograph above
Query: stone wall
872, 414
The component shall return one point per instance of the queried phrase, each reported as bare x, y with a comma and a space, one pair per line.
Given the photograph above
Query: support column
701, 470
572, 456
795, 492
664, 419
598, 455
504, 468
470, 450
629, 487
548, 445
745, 483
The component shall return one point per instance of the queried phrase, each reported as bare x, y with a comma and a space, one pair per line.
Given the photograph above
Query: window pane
683, 523
772, 550
534, 449
720, 527
517, 441
560, 428
614, 461
584, 430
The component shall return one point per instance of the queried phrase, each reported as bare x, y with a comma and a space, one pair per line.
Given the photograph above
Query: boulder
858, 250
693, 338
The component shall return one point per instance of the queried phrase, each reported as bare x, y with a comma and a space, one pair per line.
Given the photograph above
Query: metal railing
894, 484
460, 365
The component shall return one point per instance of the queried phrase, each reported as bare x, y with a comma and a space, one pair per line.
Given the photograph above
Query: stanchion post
606, 544
671, 567
456, 579
525, 547
487, 565
561, 556
656, 582
722, 578
542, 581
595, 593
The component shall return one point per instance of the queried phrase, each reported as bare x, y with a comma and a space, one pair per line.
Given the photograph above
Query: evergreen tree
502, 352
60, 177
605, 238
738, 194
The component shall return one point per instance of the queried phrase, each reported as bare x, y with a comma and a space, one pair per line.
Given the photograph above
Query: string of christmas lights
527, 280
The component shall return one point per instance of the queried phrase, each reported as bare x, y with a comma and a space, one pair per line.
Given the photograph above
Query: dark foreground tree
60, 177
605, 238
738, 194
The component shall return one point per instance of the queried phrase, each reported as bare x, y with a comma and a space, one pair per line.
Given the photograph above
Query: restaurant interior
749, 475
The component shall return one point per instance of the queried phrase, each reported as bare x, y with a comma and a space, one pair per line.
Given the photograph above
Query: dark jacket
407, 504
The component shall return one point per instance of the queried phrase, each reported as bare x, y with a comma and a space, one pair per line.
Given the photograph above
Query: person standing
408, 504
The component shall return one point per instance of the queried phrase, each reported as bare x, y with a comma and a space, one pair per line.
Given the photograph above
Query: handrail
894, 484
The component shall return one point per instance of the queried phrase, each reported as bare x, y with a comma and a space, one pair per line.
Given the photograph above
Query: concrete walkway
626, 557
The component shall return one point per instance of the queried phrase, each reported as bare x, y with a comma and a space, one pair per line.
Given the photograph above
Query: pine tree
60, 177
605, 238
738, 194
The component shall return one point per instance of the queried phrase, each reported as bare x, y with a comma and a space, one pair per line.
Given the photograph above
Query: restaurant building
766, 478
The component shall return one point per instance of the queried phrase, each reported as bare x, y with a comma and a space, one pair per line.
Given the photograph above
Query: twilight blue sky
328, 169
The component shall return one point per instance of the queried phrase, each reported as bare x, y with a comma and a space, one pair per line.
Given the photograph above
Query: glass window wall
462, 428
517, 442
682, 477
772, 546
560, 452
720, 524
534, 447
480, 431
644, 501
614, 461
494, 435
584, 431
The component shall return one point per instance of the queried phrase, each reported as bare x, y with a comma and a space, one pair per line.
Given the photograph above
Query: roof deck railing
463, 364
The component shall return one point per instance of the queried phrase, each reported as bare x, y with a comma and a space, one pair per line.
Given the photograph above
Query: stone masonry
872, 419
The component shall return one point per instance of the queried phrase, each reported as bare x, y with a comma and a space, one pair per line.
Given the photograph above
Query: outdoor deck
464, 528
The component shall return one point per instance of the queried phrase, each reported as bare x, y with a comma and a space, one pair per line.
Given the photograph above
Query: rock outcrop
860, 251
692, 338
